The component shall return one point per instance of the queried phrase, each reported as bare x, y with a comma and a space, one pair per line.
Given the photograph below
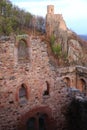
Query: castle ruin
54, 21
33, 93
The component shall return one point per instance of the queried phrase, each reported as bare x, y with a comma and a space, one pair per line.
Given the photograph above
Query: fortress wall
34, 75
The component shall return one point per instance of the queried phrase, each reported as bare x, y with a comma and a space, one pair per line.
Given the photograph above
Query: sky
74, 12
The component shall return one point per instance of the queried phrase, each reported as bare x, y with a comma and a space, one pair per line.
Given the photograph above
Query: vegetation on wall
57, 50
52, 39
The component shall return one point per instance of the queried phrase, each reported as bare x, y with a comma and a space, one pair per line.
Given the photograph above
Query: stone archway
38, 122
22, 49
37, 119
67, 81
23, 53
82, 85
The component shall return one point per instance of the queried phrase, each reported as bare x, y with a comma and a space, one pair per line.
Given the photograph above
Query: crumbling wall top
19, 37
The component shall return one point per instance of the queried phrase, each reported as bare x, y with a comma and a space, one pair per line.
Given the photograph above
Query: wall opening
51, 10
23, 94
37, 122
42, 122
39, 118
31, 124
82, 85
67, 81
46, 91
23, 54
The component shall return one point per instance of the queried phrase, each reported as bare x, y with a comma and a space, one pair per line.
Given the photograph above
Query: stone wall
74, 77
70, 74
82, 79
34, 75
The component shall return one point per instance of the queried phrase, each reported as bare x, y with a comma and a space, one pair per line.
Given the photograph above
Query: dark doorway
37, 123
42, 120
39, 118
31, 124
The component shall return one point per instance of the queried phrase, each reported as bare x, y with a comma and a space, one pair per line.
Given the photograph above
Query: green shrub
52, 40
57, 49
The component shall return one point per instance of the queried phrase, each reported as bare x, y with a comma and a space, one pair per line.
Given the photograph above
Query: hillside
16, 20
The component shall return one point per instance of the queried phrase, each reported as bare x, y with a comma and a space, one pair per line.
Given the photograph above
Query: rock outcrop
72, 45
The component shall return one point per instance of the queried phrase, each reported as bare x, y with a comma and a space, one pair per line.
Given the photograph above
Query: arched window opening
38, 121
22, 94
31, 124
42, 122
51, 10
82, 85
67, 81
46, 92
23, 55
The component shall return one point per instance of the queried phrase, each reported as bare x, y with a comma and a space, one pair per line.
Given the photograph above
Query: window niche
23, 94
37, 122
46, 91
22, 49
82, 85
23, 54
67, 81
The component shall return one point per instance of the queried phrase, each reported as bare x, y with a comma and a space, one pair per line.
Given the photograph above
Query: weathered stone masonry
74, 77
34, 75
31, 90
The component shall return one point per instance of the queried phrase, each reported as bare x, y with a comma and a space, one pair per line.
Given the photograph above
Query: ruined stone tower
54, 22
50, 9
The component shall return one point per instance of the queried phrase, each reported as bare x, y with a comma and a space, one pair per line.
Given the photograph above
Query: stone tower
56, 25
49, 19
50, 9
54, 22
